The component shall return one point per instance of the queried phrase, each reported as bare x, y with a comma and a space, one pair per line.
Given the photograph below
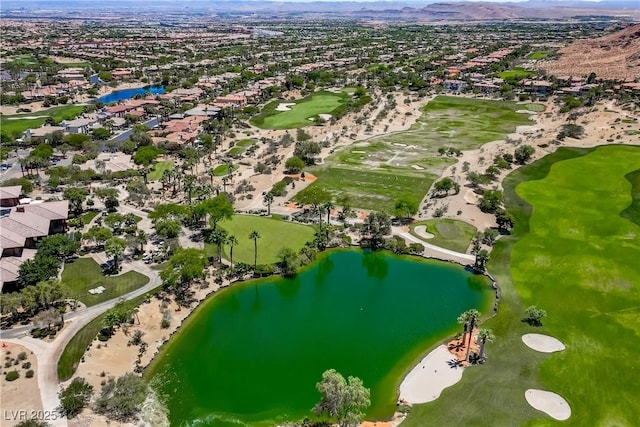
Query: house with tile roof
21, 228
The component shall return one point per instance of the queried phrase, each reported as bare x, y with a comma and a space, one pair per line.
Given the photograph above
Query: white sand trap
428, 378
325, 117
358, 152
550, 403
542, 343
526, 112
285, 106
399, 144
416, 167
421, 231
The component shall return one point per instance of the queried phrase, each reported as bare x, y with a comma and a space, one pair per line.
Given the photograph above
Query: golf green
300, 111
252, 354
580, 262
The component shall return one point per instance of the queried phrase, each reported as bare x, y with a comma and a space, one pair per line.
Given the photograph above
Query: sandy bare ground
20, 398
548, 402
543, 343
428, 378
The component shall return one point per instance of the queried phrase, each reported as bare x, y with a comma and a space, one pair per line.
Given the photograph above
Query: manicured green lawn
88, 216
246, 143
84, 274
15, 124
378, 171
276, 234
222, 170
516, 73
376, 190
158, 170
536, 107
448, 233
73, 352
298, 116
573, 254
236, 150
538, 55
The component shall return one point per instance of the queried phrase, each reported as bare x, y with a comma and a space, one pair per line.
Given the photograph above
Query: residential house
22, 226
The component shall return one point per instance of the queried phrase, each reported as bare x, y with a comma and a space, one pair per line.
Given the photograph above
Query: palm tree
470, 319
219, 237
484, 336
481, 260
231, 241
142, 239
211, 172
189, 186
254, 235
225, 180
268, 199
328, 206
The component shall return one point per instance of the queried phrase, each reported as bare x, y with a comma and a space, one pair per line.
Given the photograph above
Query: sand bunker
358, 152
421, 231
416, 167
399, 144
542, 343
325, 117
285, 106
550, 403
428, 378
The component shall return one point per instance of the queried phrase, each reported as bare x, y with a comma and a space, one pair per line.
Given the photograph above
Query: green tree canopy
123, 398
523, 153
294, 164
146, 154
405, 208
289, 261
184, 266
218, 208
314, 195
75, 397
58, 246
342, 400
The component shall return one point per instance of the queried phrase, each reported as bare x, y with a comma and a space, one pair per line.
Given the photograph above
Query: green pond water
252, 354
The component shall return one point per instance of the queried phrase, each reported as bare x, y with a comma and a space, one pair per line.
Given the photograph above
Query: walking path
48, 353
433, 251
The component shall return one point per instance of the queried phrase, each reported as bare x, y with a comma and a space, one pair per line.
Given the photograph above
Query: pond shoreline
151, 367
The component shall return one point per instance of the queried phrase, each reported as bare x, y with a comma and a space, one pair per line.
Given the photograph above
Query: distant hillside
614, 56
483, 11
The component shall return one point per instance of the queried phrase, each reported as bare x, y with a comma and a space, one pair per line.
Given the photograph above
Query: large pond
252, 354
124, 94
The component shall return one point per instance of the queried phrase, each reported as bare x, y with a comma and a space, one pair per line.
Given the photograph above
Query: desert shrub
22, 356
12, 376
26, 365
29, 373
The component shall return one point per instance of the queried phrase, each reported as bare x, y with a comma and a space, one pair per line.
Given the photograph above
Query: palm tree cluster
469, 320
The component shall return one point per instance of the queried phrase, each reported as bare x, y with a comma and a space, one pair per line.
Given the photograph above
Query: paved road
48, 354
